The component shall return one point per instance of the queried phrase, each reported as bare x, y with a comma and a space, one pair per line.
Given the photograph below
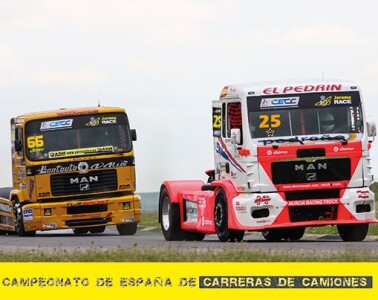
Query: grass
149, 219
136, 254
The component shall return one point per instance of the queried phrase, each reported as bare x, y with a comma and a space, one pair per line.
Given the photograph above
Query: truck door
227, 120
18, 162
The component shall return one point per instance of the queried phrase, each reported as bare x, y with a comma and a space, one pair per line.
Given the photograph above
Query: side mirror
133, 134
371, 128
17, 146
236, 136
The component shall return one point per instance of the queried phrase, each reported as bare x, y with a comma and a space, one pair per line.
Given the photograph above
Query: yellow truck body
6, 213
74, 168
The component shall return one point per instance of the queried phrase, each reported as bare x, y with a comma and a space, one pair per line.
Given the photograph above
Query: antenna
322, 72
99, 93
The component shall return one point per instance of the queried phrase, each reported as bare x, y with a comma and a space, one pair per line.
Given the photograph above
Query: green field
137, 254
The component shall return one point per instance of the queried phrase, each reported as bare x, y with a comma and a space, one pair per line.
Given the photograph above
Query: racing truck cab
287, 155
74, 168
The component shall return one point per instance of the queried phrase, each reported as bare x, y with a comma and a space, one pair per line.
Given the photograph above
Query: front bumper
270, 210
87, 213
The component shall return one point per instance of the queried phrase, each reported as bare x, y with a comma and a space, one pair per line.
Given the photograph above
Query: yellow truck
6, 213
72, 168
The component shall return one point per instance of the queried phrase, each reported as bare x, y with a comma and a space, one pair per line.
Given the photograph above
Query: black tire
294, 234
19, 222
237, 235
170, 218
221, 220
3, 232
194, 236
273, 235
127, 229
80, 231
98, 229
353, 232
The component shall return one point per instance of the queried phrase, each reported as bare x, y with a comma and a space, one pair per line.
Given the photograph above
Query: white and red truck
287, 155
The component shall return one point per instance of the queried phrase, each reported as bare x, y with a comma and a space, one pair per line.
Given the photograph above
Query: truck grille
75, 183
85, 209
302, 171
313, 213
313, 194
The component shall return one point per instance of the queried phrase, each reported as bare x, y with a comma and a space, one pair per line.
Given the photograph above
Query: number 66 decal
35, 141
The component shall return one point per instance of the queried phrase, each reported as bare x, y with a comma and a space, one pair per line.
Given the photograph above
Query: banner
189, 280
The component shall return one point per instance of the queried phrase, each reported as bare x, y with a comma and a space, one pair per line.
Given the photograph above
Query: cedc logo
277, 102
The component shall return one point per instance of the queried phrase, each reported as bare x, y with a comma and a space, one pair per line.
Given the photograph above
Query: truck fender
175, 189
231, 192
16, 194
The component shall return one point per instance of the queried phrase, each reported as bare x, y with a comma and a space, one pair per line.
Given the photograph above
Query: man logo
83, 179
84, 187
311, 167
311, 176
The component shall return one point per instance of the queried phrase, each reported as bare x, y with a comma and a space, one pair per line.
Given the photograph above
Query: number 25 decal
272, 121
216, 121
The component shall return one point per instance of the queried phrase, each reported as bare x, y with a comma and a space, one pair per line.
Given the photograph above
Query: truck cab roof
66, 112
286, 87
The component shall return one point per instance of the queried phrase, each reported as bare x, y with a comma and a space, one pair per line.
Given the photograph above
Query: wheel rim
219, 215
165, 213
18, 214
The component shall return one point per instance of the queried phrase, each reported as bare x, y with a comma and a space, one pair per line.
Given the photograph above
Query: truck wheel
19, 222
170, 218
353, 232
127, 229
80, 231
221, 221
237, 235
98, 229
294, 234
193, 236
273, 235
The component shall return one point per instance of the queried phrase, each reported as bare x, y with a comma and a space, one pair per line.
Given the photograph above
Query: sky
165, 61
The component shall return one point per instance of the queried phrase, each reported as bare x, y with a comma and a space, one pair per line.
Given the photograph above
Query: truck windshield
305, 114
77, 136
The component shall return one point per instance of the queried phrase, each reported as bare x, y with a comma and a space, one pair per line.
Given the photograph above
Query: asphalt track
151, 238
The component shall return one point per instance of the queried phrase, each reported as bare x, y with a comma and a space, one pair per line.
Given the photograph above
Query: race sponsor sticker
28, 214
56, 124
191, 210
5, 207
279, 102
